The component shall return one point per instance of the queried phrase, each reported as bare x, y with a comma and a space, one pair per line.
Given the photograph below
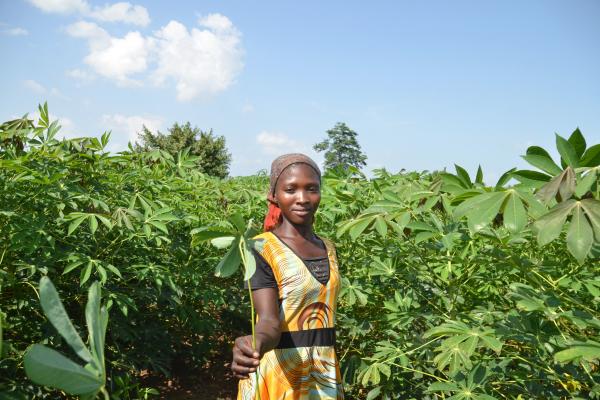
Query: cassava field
116, 280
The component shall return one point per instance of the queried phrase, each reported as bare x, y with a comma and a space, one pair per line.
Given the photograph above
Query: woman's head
294, 192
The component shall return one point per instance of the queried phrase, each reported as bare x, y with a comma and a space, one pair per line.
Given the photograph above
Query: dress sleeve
263, 277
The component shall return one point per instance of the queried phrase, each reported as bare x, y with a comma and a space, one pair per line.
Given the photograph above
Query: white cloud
275, 144
118, 12
34, 86
201, 61
122, 12
247, 108
16, 32
61, 6
38, 88
127, 127
112, 57
80, 75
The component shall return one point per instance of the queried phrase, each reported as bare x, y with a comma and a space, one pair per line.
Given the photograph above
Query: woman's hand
245, 357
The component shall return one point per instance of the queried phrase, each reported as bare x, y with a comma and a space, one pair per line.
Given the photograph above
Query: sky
425, 84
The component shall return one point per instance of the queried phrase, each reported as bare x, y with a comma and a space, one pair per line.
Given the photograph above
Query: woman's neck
289, 230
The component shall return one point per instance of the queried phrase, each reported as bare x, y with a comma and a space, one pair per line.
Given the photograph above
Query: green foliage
341, 148
208, 152
451, 289
48, 367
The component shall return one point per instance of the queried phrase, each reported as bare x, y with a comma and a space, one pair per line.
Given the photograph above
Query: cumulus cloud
127, 127
118, 12
80, 75
61, 6
38, 88
199, 62
34, 86
15, 32
275, 143
121, 12
113, 57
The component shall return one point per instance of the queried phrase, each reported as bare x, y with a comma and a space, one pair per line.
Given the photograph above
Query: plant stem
243, 255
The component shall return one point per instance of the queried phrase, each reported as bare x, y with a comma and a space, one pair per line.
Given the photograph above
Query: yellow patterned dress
304, 365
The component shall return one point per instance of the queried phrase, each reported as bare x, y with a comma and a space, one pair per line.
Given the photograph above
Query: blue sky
425, 84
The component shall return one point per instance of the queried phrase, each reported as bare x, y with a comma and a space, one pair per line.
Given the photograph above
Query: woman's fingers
242, 369
241, 359
245, 358
244, 343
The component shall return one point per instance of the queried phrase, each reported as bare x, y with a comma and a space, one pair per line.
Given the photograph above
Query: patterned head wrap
282, 162
273, 217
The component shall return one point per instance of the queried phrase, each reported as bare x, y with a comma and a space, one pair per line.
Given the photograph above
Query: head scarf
273, 217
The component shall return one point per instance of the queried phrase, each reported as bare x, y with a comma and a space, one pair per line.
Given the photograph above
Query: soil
214, 383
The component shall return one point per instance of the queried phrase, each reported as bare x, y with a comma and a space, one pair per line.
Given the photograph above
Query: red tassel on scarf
273, 217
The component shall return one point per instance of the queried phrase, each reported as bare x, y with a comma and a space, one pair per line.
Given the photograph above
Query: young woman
295, 291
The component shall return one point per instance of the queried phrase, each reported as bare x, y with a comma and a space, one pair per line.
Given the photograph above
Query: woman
295, 291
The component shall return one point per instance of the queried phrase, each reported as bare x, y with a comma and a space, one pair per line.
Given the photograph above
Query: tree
341, 148
213, 156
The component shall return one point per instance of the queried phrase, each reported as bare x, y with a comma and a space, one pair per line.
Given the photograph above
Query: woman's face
298, 193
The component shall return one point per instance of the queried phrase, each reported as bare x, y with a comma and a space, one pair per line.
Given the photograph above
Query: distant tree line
341, 148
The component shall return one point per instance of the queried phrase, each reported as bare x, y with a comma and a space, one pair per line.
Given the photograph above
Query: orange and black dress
304, 365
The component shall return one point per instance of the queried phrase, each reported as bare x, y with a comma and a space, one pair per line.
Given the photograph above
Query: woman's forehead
299, 171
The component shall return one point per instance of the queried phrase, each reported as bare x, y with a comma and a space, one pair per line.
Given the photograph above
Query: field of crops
452, 289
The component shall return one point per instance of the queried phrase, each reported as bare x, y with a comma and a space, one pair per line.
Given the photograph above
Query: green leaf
359, 226
54, 310
585, 184
550, 225
48, 367
238, 222
479, 176
591, 157
485, 212
94, 324
230, 263
159, 225
93, 222
443, 387
532, 178
105, 221
114, 270
373, 393
206, 233
577, 141
86, 273
567, 152
504, 178
544, 163
579, 236
592, 211
463, 175
515, 216
492, 342
250, 261
222, 242
75, 223
563, 184
588, 351
380, 226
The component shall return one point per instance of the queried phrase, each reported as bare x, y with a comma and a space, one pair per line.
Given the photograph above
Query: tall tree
341, 148
211, 149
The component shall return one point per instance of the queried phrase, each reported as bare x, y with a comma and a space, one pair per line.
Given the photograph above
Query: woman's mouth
301, 212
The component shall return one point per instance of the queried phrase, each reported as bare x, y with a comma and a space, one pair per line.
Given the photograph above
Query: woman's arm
245, 358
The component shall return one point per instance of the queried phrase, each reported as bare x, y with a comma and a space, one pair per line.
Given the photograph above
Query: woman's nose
302, 196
